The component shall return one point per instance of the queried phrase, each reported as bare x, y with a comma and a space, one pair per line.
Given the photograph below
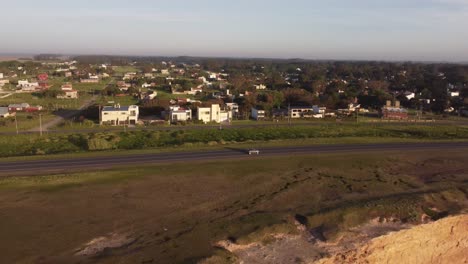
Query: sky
419, 30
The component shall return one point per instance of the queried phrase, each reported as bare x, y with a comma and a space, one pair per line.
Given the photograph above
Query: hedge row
52, 144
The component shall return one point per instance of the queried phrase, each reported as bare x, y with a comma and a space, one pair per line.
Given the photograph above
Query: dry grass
176, 213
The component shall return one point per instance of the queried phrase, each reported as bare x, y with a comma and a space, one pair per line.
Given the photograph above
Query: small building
260, 87
89, 80
394, 111
409, 95
67, 87
301, 112
1, 75
119, 115
24, 107
27, 86
234, 109
258, 113
4, 112
213, 114
179, 114
68, 94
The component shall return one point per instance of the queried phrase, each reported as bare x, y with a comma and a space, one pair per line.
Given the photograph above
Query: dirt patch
99, 245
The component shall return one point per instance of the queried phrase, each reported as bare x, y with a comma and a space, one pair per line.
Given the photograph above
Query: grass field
174, 214
25, 145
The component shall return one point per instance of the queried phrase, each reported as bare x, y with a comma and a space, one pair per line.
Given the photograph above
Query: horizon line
31, 54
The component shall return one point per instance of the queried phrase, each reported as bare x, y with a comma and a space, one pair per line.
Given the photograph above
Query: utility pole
40, 124
16, 125
289, 113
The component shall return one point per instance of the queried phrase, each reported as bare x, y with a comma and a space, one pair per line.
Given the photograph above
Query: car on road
254, 151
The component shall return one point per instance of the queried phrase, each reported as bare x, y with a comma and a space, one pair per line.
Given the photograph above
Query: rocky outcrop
444, 241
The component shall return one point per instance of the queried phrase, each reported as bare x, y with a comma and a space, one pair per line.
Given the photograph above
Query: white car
254, 151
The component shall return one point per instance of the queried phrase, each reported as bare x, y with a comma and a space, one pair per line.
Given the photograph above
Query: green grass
23, 145
26, 121
124, 69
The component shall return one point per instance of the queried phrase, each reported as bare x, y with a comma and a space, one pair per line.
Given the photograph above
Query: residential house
409, 95
1, 75
27, 86
89, 80
68, 74
234, 108
68, 94
454, 94
194, 91
213, 114
165, 71
258, 113
147, 85
123, 86
23, 107
150, 95
179, 114
301, 112
119, 115
260, 87
67, 87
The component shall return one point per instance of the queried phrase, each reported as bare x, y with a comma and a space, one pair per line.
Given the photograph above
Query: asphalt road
41, 167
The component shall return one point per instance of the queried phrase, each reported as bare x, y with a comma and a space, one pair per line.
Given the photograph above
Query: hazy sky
316, 29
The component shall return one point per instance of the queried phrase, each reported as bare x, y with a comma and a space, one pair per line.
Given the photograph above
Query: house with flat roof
117, 115
213, 113
258, 113
179, 114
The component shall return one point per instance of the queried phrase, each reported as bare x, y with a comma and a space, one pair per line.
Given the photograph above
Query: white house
165, 71
147, 85
194, 91
213, 114
301, 112
119, 115
177, 114
67, 87
260, 87
68, 94
454, 94
258, 114
1, 75
409, 95
234, 108
129, 75
26, 86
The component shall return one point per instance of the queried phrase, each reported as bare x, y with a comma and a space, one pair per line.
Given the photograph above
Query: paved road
64, 165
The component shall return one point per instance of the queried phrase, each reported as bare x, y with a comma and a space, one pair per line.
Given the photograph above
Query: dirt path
66, 115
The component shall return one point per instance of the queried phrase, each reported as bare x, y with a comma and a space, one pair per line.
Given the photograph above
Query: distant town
118, 91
